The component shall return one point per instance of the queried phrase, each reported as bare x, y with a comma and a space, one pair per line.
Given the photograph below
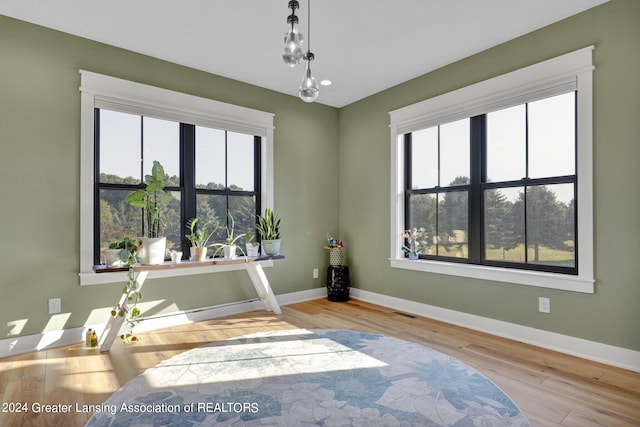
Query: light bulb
308, 90
292, 53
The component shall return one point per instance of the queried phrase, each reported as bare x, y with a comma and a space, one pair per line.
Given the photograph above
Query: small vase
229, 251
413, 255
198, 253
252, 249
335, 256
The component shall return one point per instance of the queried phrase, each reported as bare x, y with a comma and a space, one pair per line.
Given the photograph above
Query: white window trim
103, 91
572, 71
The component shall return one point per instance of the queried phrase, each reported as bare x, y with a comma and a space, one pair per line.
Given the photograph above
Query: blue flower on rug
357, 387
351, 339
459, 387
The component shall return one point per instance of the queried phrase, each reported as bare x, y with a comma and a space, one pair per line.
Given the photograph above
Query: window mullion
526, 182
477, 171
438, 198
227, 188
142, 159
257, 176
407, 178
96, 187
187, 176
439, 165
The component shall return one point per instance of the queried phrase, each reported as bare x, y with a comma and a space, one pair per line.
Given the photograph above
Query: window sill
92, 278
521, 277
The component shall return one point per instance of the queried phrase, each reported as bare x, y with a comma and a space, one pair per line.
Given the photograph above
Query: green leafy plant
152, 199
231, 238
128, 250
129, 308
269, 225
199, 236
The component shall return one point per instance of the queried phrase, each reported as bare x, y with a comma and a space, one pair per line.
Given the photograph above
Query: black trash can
338, 283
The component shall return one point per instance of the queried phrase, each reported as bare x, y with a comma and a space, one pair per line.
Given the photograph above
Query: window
529, 191
497, 178
223, 179
522, 190
219, 159
437, 188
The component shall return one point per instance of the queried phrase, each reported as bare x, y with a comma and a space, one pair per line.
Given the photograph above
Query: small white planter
229, 251
112, 258
253, 249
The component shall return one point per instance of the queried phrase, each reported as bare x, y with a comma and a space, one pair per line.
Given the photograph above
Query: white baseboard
37, 342
591, 350
604, 353
66, 337
207, 313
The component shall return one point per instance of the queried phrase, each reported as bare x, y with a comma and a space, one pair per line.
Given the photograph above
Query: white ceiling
363, 46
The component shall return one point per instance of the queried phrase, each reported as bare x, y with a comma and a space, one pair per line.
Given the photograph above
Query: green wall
332, 175
612, 314
40, 170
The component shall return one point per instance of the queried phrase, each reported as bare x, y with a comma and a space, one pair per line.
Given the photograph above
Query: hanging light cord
309, 26
293, 19
309, 55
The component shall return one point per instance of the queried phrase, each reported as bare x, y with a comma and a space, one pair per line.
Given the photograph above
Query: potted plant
112, 255
151, 200
199, 237
412, 242
269, 228
229, 246
252, 247
122, 253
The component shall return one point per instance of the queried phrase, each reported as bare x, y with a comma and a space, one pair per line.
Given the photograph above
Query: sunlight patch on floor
242, 359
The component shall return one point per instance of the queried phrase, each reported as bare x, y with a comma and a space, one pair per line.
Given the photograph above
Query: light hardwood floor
551, 388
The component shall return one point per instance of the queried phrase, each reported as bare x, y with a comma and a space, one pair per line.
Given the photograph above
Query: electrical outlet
544, 305
315, 273
55, 305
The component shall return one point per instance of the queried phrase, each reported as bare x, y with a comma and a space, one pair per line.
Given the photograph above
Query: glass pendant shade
292, 54
308, 90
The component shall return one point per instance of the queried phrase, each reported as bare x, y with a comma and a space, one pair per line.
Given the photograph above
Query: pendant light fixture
308, 90
293, 40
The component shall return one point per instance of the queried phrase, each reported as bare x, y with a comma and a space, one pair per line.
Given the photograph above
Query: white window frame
572, 71
101, 91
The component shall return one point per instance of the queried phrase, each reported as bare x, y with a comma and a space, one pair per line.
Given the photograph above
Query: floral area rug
310, 378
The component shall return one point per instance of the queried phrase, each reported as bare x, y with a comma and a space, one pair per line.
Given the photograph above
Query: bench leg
263, 288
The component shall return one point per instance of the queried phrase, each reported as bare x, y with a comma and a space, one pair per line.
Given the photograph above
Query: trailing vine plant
129, 308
